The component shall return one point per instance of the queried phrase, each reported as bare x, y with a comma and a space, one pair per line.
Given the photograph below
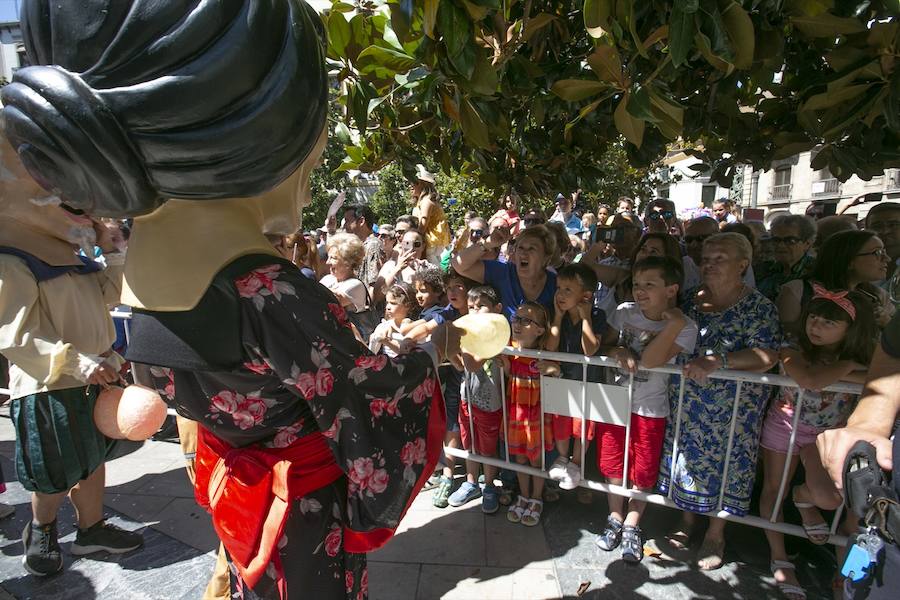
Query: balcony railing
826, 187
781, 192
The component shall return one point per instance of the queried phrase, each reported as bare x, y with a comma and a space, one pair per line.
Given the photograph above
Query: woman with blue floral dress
739, 330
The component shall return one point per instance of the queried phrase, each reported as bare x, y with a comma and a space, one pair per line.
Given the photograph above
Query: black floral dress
303, 371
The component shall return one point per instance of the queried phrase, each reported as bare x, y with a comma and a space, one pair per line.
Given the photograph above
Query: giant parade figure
202, 121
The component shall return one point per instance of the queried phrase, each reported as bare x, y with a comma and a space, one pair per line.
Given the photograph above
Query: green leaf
606, 64
430, 17
596, 16
473, 126
827, 25
484, 79
383, 62
681, 35
740, 33
338, 33
628, 126
639, 105
688, 6
475, 11
464, 61
573, 90
342, 133
705, 47
829, 99
456, 28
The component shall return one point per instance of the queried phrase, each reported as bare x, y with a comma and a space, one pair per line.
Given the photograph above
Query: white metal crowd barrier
610, 403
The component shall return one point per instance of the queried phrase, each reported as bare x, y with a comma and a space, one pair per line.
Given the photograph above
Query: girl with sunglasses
523, 399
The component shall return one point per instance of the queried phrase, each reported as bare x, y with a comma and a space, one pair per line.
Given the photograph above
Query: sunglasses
532, 221
695, 239
413, 244
666, 214
523, 321
880, 253
788, 240
386, 236
885, 226
476, 233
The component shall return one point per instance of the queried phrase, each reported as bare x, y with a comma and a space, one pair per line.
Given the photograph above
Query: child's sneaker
464, 494
632, 544
442, 492
612, 535
432, 482
490, 500
572, 477
557, 470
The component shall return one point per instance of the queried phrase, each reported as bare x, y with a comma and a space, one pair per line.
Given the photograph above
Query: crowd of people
801, 297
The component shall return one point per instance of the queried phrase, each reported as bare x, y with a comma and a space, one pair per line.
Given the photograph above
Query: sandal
788, 590
711, 555
532, 516
632, 544
611, 536
517, 510
817, 533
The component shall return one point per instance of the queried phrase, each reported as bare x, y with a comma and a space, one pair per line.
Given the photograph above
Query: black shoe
632, 544
611, 536
103, 537
42, 553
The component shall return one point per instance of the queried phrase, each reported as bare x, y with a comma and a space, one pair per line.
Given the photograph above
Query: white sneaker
559, 468
572, 478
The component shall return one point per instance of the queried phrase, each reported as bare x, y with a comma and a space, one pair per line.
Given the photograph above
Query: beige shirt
54, 332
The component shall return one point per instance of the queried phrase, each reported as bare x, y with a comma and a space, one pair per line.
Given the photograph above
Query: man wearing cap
564, 215
432, 220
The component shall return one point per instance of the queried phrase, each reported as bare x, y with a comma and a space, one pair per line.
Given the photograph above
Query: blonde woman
432, 220
345, 253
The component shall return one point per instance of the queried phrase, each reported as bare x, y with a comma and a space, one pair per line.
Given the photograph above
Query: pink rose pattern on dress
303, 371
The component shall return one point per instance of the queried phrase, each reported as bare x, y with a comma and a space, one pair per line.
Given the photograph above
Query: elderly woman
525, 277
739, 331
848, 260
792, 237
345, 253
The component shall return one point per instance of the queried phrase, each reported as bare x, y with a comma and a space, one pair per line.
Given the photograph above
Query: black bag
365, 320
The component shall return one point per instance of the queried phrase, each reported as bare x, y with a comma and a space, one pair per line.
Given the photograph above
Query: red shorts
647, 436
570, 427
487, 429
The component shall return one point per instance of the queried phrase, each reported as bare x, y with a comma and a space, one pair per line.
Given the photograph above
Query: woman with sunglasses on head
791, 237
848, 260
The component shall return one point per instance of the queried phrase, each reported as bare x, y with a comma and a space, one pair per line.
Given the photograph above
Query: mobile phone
613, 235
873, 197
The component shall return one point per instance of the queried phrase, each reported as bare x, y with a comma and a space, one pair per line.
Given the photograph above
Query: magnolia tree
533, 92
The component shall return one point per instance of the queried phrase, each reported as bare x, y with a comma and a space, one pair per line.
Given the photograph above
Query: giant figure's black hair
132, 102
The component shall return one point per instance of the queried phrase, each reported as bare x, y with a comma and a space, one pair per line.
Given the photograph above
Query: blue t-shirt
504, 277
448, 313
431, 312
570, 342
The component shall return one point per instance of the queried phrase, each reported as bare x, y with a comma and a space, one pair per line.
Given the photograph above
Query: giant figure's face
24, 201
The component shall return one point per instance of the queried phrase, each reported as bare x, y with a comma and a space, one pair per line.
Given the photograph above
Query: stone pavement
458, 553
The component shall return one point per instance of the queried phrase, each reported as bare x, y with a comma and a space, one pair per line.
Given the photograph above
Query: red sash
249, 492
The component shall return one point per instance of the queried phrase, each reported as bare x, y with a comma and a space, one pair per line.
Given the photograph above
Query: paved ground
457, 554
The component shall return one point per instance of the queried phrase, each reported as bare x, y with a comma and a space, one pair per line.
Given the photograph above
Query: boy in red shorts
481, 395
651, 332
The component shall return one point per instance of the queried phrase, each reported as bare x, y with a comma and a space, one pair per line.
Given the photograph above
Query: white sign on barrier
605, 403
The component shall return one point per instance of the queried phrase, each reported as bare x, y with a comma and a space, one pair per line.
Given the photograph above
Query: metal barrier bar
732, 427
790, 453
626, 462
677, 435
584, 419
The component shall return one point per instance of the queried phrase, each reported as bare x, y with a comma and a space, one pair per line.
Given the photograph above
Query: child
430, 288
400, 309
523, 399
577, 328
836, 343
480, 414
651, 332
